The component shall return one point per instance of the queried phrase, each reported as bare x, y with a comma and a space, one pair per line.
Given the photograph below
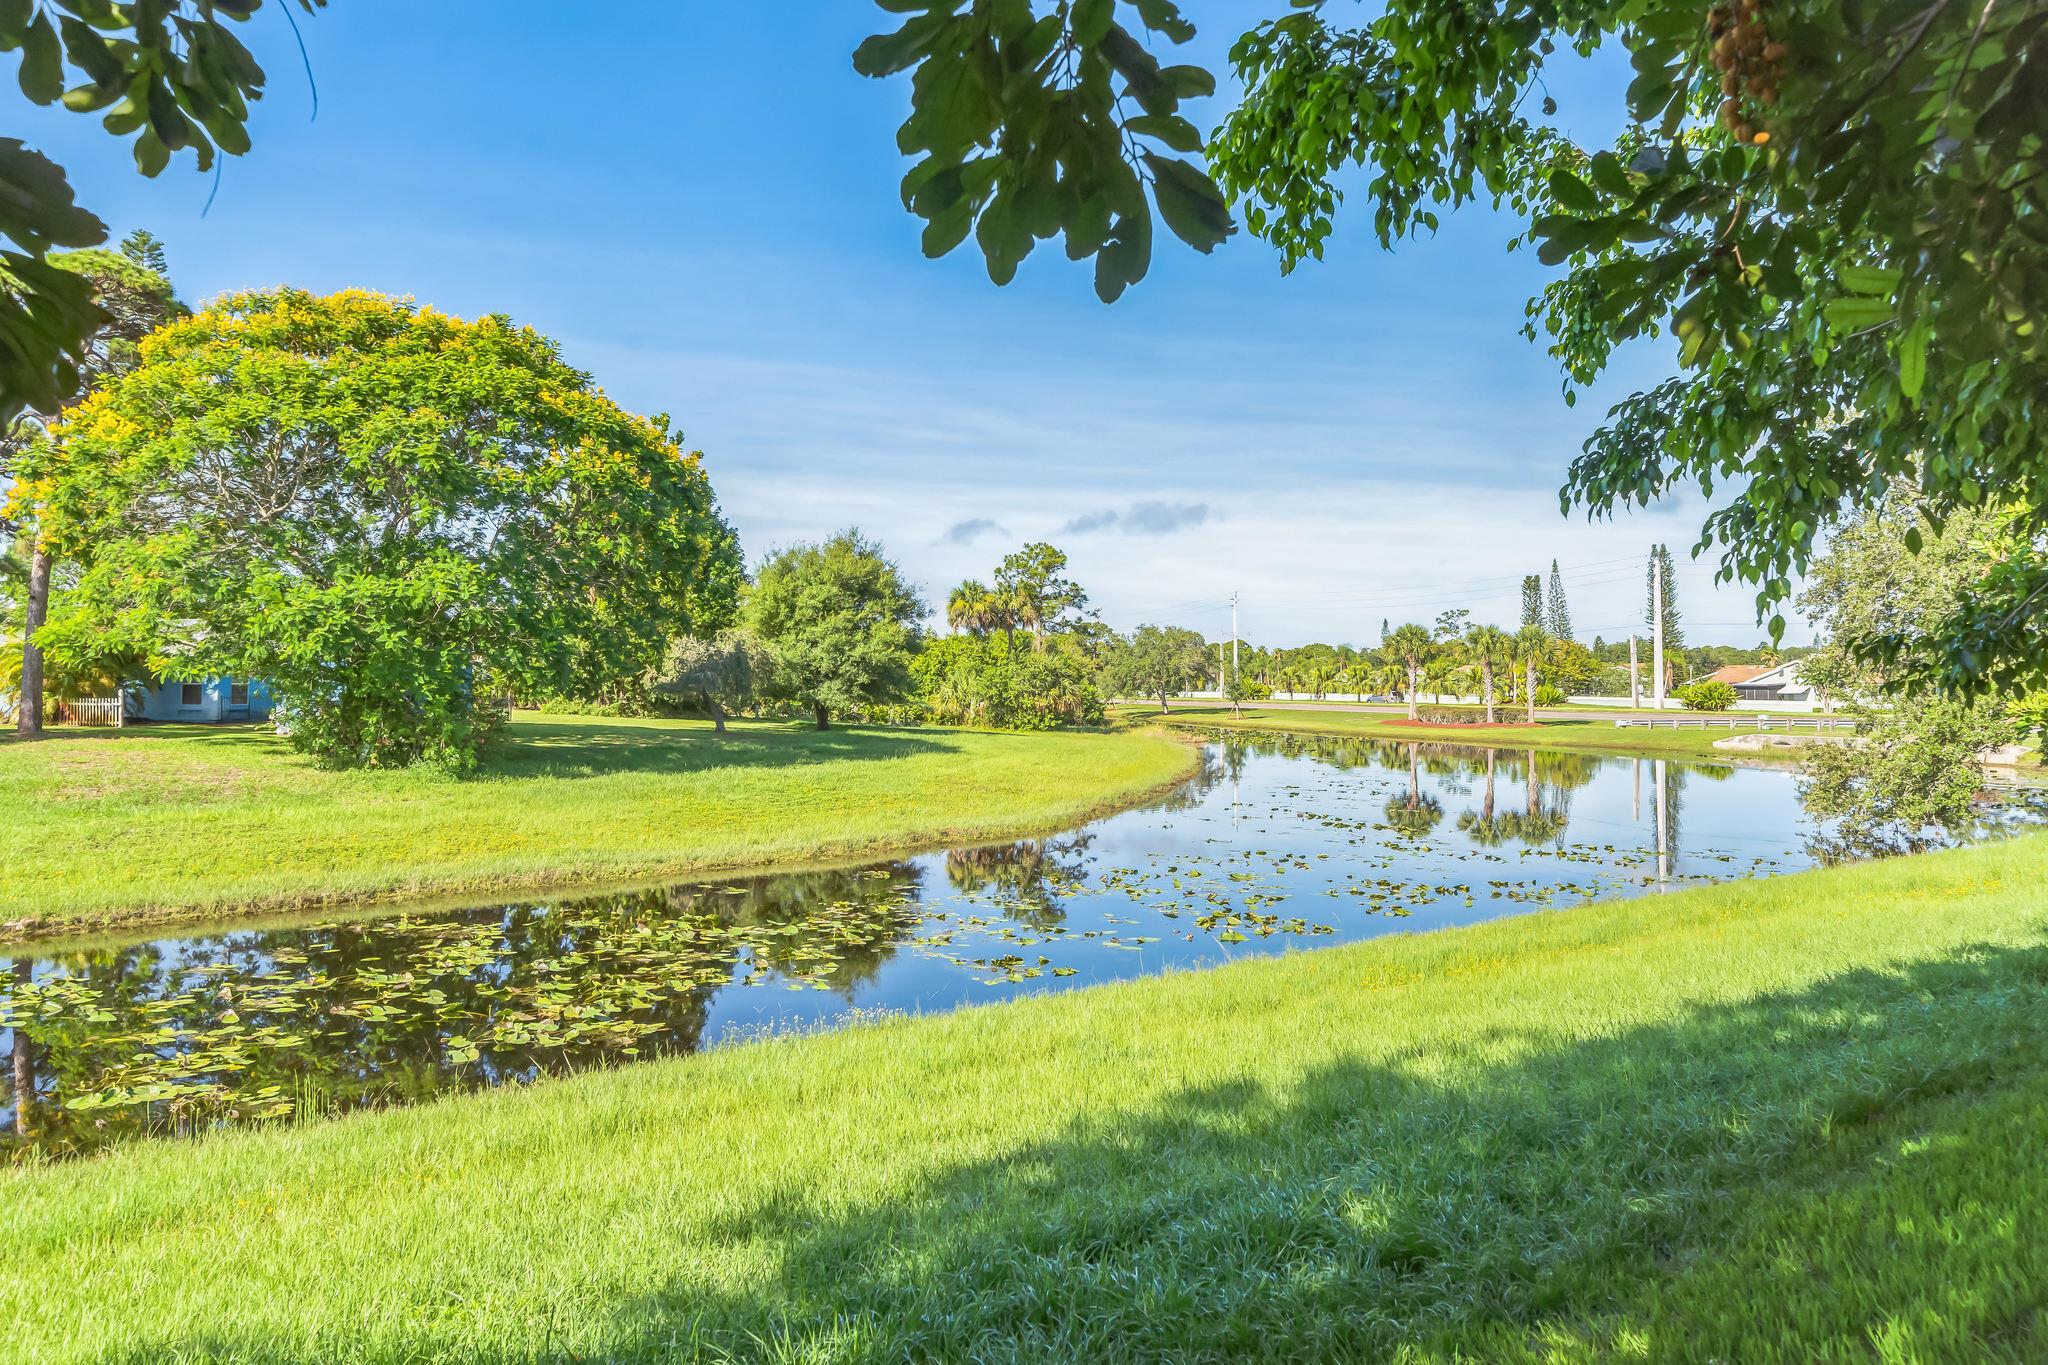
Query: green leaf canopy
381, 510
841, 622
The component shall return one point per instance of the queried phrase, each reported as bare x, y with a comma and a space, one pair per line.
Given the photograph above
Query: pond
1279, 843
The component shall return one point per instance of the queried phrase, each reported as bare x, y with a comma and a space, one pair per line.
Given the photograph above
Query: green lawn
107, 826
1589, 735
1792, 1120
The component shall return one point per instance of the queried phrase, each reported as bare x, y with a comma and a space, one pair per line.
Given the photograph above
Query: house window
238, 694
190, 694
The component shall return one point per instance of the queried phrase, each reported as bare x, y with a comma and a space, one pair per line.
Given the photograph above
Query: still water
1280, 843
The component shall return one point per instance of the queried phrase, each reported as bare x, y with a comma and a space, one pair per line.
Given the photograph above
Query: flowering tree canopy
381, 510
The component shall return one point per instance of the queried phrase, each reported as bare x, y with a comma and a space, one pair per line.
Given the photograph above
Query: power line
1419, 595
1486, 581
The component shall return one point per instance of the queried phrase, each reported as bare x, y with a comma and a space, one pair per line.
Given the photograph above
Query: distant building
213, 700
1737, 675
1780, 684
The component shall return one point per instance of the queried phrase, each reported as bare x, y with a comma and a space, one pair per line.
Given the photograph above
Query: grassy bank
111, 826
1588, 735
1787, 1120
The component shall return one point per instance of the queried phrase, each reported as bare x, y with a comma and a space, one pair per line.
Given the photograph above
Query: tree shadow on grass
1494, 1200
601, 750
140, 731
590, 749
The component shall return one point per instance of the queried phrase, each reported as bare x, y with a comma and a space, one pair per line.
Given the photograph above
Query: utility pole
1233, 634
1657, 625
1635, 676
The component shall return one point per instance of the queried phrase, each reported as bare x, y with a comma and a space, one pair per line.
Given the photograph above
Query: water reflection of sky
1282, 843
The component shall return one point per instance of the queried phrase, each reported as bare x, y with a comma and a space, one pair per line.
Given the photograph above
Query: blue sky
699, 202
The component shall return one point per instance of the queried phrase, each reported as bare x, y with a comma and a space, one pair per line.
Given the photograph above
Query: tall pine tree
1558, 619
146, 249
1674, 638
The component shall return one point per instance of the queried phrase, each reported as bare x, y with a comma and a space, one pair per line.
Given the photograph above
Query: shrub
1612, 681
1451, 715
628, 706
1005, 684
569, 706
1549, 695
1706, 696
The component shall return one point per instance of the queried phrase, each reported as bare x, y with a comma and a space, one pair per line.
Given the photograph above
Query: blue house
215, 699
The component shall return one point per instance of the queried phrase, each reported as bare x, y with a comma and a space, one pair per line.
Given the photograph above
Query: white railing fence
93, 711
1726, 721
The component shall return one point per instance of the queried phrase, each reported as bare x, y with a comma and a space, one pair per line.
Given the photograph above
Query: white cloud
1330, 498
968, 531
1323, 560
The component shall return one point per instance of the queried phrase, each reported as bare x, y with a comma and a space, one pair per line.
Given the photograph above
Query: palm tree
1412, 645
974, 609
1530, 644
1488, 647
1441, 673
1388, 675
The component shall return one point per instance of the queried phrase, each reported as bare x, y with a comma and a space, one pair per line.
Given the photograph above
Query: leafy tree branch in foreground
172, 76
1839, 212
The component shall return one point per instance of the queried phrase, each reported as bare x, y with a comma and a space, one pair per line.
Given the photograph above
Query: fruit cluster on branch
1751, 64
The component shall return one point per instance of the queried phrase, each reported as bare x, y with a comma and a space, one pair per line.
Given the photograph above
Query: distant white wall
1673, 704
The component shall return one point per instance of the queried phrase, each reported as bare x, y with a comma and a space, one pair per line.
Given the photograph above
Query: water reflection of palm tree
1485, 826
1416, 814
1539, 822
1565, 773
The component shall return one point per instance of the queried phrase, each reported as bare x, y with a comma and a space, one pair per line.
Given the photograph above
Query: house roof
1784, 675
1739, 673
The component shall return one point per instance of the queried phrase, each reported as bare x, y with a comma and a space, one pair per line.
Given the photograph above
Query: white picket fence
93, 711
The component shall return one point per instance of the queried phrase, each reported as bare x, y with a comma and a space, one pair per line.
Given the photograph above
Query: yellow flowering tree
375, 507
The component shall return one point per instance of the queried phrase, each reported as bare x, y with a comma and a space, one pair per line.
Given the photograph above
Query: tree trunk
822, 717
1529, 682
1486, 672
28, 721
1164, 708
717, 716
1413, 691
